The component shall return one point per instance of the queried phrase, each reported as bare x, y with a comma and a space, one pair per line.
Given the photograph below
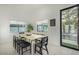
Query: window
17, 28
42, 27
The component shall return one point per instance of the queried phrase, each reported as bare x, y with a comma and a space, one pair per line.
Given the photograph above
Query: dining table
31, 38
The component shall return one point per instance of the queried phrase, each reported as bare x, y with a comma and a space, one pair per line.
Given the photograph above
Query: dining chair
21, 44
14, 41
24, 45
42, 45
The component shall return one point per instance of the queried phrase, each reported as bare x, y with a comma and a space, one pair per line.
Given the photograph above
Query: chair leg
35, 49
30, 49
21, 51
41, 51
47, 50
15, 45
17, 48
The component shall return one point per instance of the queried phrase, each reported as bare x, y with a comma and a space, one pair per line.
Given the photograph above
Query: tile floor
8, 49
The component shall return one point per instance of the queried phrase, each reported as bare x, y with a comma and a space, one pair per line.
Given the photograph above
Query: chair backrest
44, 41
21, 32
15, 38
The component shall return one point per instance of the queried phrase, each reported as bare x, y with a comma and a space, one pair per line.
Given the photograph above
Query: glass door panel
69, 27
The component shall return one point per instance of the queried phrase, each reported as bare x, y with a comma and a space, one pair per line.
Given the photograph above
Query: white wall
8, 12
4, 29
51, 13
54, 32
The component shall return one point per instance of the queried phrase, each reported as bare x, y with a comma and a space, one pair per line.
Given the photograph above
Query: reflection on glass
69, 27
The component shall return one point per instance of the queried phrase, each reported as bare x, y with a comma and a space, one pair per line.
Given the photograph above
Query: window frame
42, 27
18, 27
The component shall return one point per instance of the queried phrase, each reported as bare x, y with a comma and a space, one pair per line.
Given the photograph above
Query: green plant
29, 28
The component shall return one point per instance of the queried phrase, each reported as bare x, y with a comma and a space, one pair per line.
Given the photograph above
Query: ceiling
30, 12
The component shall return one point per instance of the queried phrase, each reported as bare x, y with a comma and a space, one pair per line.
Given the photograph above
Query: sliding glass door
69, 27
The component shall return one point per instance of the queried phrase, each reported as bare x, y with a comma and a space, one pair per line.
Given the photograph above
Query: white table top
32, 37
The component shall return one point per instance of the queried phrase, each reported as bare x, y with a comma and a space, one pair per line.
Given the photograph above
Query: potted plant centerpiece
29, 29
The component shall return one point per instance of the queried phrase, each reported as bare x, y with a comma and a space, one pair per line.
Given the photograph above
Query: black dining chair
14, 41
20, 45
24, 45
42, 45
